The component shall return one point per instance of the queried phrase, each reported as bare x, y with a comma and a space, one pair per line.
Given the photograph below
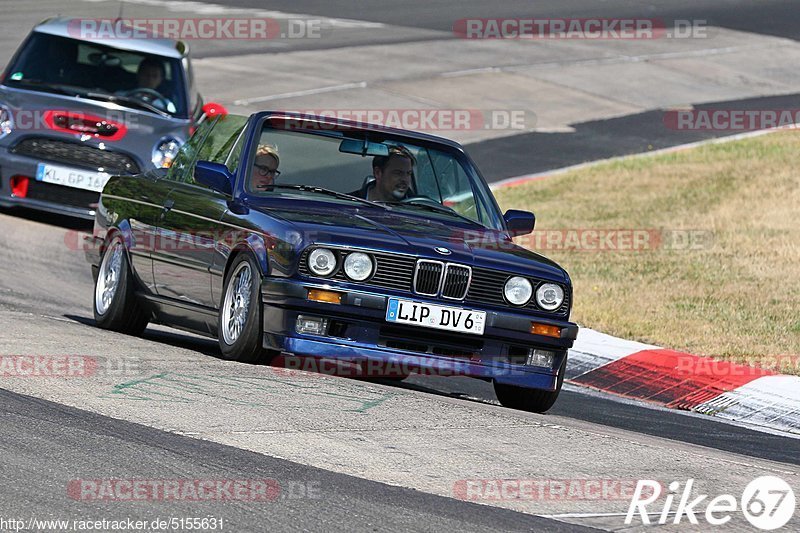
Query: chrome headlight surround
322, 261
549, 296
518, 290
358, 266
6, 120
165, 151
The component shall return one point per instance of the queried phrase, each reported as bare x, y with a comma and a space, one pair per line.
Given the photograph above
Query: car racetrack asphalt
47, 444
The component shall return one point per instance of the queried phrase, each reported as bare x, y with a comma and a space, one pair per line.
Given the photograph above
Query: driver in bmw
394, 175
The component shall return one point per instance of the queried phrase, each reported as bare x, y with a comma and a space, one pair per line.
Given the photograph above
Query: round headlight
321, 261
358, 266
165, 152
549, 296
518, 290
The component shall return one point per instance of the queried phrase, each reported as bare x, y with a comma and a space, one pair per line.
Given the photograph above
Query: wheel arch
126, 234
253, 244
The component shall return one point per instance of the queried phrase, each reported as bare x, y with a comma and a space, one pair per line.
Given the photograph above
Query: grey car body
91, 129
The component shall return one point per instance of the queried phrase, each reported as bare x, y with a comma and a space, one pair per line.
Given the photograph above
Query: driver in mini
394, 176
150, 75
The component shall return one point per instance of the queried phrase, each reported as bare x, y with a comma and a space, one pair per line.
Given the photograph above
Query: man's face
393, 181
149, 77
263, 172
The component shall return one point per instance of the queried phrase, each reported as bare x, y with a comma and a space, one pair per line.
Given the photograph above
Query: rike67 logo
767, 502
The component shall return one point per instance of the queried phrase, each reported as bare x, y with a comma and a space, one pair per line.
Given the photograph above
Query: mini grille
81, 155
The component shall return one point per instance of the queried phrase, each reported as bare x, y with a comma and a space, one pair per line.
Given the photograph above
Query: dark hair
380, 161
150, 62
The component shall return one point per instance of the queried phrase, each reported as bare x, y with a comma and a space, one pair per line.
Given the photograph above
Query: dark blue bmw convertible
309, 237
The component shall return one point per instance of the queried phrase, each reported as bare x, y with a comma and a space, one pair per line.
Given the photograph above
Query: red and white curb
684, 381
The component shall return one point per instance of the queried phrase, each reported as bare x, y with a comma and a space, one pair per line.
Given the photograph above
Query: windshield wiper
329, 192
130, 102
437, 208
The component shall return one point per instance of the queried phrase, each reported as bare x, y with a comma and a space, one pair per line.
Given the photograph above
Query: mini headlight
549, 296
321, 261
165, 152
6, 121
518, 290
358, 266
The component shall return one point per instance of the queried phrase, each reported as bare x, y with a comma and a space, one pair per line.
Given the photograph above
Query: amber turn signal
319, 295
546, 330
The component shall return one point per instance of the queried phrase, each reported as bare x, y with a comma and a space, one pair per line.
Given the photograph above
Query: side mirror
214, 175
519, 222
211, 110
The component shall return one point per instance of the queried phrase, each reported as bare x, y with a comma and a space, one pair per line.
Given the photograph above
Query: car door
137, 200
189, 223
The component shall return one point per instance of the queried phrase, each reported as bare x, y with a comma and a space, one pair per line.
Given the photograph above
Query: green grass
736, 295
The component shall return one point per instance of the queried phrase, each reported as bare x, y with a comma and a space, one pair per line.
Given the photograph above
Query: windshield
80, 68
410, 176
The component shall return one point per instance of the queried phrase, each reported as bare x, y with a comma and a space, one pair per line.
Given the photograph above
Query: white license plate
435, 316
72, 177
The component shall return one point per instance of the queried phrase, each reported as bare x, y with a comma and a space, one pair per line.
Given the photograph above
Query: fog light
540, 358
312, 325
546, 330
318, 295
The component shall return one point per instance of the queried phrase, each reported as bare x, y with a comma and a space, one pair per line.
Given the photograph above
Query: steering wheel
151, 96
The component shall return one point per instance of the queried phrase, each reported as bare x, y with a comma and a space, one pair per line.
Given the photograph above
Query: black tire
247, 345
124, 313
532, 400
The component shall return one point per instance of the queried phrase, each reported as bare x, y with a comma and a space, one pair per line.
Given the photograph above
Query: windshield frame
480, 189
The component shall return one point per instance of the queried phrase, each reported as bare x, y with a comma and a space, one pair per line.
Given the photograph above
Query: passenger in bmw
265, 167
394, 177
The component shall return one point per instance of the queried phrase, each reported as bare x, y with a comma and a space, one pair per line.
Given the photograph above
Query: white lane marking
471, 71
203, 8
293, 94
596, 515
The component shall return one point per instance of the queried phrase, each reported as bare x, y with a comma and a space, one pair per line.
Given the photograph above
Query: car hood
136, 131
394, 231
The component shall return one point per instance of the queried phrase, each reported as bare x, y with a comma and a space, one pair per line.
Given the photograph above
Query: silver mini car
75, 110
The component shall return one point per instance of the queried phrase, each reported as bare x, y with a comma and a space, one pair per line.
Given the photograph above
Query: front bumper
42, 196
358, 332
